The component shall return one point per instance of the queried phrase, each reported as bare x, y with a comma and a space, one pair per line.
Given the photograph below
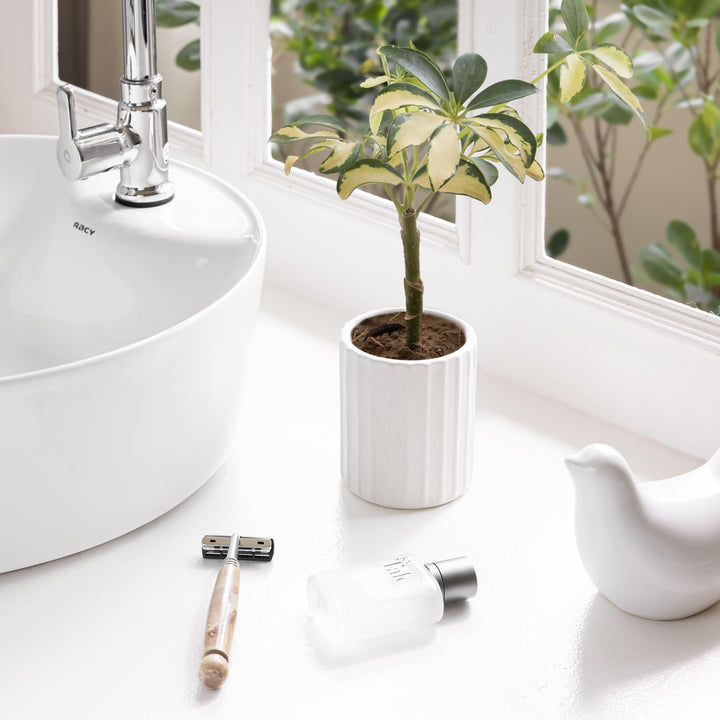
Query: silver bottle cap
456, 577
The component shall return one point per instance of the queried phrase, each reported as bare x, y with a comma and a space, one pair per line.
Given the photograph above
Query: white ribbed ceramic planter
407, 426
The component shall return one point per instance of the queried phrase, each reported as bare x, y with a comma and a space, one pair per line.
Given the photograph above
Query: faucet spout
139, 53
138, 142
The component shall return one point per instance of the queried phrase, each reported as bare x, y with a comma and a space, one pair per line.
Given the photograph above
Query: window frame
614, 351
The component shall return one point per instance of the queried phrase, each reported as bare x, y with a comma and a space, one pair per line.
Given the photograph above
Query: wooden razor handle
220, 627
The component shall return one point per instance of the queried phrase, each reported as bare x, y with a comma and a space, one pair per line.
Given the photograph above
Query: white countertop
117, 631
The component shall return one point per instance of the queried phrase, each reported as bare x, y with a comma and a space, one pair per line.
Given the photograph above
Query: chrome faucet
137, 144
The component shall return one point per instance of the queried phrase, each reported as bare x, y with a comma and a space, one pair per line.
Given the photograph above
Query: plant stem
547, 72
608, 202
391, 196
601, 170
600, 173
591, 162
413, 283
713, 199
659, 111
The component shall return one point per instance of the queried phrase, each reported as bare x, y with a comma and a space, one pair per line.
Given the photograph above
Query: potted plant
408, 376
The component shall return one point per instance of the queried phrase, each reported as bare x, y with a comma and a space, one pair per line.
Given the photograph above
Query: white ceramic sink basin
123, 338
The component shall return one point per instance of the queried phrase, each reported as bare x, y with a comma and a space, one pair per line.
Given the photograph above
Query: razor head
249, 548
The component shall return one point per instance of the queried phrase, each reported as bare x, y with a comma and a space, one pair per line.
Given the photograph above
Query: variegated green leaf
421, 179
420, 65
366, 172
478, 146
572, 77
517, 133
379, 120
489, 171
400, 95
292, 160
502, 92
614, 57
412, 129
292, 133
443, 155
576, 19
508, 110
622, 92
512, 162
343, 154
374, 81
380, 142
468, 74
550, 43
535, 171
468, 180
327, 121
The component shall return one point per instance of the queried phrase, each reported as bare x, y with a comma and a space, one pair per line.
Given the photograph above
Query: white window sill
116, 632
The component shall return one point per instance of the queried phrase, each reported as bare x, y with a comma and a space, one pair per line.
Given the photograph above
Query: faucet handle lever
66, 112
68, 152
89, 151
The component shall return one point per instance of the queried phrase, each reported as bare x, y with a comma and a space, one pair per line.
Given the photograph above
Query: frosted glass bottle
400, 593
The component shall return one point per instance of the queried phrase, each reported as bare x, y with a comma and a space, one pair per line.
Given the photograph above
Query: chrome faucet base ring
149, 197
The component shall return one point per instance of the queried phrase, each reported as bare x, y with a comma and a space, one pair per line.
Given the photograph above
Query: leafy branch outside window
675, 57
335, 40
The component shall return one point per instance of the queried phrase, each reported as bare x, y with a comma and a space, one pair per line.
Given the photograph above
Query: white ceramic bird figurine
652, 548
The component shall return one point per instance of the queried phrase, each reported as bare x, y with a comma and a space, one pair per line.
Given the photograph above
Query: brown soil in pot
384, 336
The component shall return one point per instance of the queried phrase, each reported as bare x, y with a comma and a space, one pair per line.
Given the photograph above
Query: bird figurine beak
574, 461
587, 458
